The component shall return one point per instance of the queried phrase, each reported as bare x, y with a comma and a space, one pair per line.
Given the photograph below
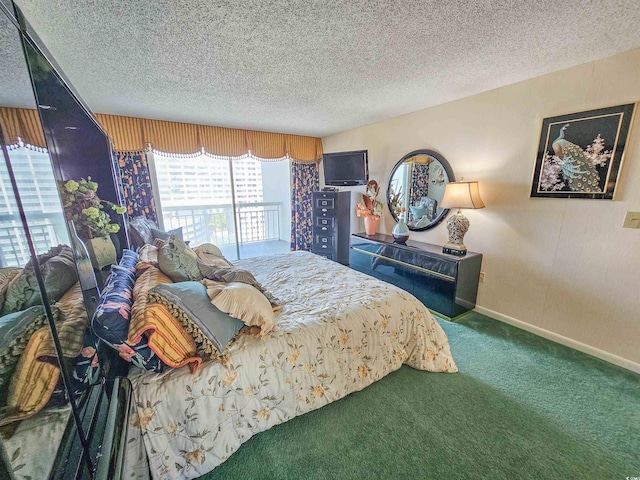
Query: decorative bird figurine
577, 168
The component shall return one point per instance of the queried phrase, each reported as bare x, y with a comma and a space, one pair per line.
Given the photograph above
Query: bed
338, 332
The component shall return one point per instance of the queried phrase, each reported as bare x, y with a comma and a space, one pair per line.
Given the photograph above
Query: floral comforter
339, 331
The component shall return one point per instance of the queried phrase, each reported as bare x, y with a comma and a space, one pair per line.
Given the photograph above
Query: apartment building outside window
240, 205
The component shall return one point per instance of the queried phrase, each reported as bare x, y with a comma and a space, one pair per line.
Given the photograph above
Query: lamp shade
462, 195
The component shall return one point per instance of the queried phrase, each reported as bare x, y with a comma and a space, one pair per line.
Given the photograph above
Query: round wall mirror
417, 184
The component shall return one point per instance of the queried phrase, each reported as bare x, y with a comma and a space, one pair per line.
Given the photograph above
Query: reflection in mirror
47, 357
417, 184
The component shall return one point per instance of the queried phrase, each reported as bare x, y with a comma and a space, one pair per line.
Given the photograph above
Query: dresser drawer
323, 248
324, 203
322, 239
391, 255
326, 222
444, 283
325, 212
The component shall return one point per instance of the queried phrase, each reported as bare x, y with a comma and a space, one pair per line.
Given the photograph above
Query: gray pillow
162, 235
211, 329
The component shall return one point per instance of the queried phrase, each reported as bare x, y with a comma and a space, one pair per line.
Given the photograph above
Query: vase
83, 263
371, 224
116, 244
400, 232
102, 252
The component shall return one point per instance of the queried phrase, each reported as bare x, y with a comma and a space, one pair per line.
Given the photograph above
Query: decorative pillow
148, 257
430, 205
417, 212
129, 260
32, 384
210, 255
188, 302
178, 261
15, 331
244, 302
149, 279
162, 235
140, 231
111, 319
71, 325
167, 337
7, 274
234, 274
59, 273
148, 253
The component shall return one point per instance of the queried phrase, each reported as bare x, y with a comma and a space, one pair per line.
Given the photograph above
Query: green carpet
521, 407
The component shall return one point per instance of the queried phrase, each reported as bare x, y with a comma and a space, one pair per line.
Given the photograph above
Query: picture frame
580, 154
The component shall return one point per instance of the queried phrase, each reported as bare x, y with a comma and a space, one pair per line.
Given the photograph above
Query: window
250, 219
41, 203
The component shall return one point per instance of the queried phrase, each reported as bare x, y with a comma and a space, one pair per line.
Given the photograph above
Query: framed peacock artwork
580, 154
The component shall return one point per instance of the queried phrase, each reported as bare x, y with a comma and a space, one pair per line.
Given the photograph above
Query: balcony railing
256, 222
46, 231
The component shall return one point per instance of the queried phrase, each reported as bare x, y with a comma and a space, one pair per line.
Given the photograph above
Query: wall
563, 268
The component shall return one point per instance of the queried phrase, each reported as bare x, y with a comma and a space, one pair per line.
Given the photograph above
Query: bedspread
339, 331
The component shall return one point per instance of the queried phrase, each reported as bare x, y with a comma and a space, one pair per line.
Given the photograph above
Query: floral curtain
419, 183
304, 181
136, 185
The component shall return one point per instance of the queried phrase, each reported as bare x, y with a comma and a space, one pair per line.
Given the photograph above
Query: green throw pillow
58, 269
211, 329
7, 275
178, 261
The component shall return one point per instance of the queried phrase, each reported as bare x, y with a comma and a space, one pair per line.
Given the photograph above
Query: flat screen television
346, 168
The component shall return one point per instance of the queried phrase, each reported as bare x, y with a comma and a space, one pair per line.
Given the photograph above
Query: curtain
419, 182
304, 180
136, 185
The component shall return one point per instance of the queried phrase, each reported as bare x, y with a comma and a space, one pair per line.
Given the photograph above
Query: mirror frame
450, 178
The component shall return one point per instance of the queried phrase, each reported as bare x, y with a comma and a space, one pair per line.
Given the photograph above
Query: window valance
23, 123
131, 134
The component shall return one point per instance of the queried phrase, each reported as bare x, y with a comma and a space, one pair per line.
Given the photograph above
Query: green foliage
83, 206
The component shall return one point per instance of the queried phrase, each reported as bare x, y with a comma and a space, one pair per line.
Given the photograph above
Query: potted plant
370, 208
83, 207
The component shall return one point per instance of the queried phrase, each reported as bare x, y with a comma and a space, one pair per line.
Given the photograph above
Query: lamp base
457, 225
454, 250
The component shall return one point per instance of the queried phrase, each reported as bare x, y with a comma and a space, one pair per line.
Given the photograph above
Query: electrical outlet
631, 220
481, 277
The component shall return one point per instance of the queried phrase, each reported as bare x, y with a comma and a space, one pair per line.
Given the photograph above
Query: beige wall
564, 267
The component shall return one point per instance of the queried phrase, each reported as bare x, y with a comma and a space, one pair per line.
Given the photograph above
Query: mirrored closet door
52, 401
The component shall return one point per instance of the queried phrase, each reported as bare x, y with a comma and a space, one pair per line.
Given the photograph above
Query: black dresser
444, 283
331, 217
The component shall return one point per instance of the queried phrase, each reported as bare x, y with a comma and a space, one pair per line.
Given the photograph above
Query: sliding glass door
240, 205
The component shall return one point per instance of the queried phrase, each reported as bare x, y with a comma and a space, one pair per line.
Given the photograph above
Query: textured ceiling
315, 67
15, 85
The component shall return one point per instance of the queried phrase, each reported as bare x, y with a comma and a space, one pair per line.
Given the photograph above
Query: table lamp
459, 195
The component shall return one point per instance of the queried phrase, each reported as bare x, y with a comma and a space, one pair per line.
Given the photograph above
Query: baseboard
568, 342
